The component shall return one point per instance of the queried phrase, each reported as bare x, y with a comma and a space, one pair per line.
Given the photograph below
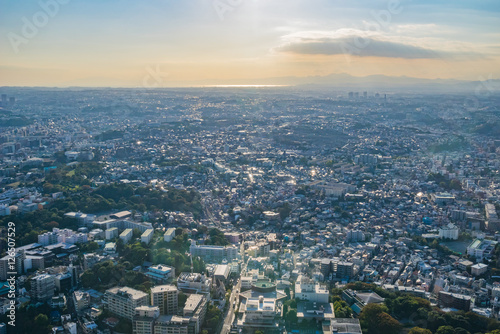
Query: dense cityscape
249, 210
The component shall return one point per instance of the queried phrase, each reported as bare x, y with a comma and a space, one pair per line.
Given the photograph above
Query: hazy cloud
362, 46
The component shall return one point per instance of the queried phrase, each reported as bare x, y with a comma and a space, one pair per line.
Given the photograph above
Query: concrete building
454, 300
214, 254
449, 231
144, 319
172, 324
259, 313
196, 309
193, 283
165, 297
48, 238
307, 289
81, 300
481, 248
359, 299
478, 269
147, 236
110, 248
222, 272
343, 269
126, 235
18, 263
342, 326
111, 233
43, 287
492, 220
160, 273
169, 234
355, 236
318, 312
122, 301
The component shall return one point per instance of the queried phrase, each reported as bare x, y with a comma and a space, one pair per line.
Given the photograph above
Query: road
228, 320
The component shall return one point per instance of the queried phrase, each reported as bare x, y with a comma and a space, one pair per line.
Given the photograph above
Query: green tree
418, 330
41, 324
445, 330
291, 316
386, 324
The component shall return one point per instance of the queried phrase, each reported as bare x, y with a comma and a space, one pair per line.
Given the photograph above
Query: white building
259, 312
126, 235
222, 272
147, 236
169, 235
122, 301
194, 283
449, 231
214, 254
307, 289
160, 273
43, 287
111, 233
481, 248
478, 269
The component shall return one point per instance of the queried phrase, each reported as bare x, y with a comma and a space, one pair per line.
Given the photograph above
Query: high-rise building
43, 287
4, 265
144, 319
122, 301
195, 308
343, 269
172, 324
165, 297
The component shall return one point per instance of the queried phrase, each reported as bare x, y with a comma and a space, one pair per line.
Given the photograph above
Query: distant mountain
371, 82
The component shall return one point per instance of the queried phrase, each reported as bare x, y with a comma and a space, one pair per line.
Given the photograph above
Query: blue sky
118, 42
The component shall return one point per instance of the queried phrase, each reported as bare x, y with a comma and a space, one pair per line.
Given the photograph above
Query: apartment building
165, 297
122, 301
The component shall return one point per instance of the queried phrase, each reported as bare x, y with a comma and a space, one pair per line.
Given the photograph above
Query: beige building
144, 319
171, 324
122, 301
195, 308
166, 298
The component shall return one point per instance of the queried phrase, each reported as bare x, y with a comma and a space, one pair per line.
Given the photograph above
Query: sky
161, 43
